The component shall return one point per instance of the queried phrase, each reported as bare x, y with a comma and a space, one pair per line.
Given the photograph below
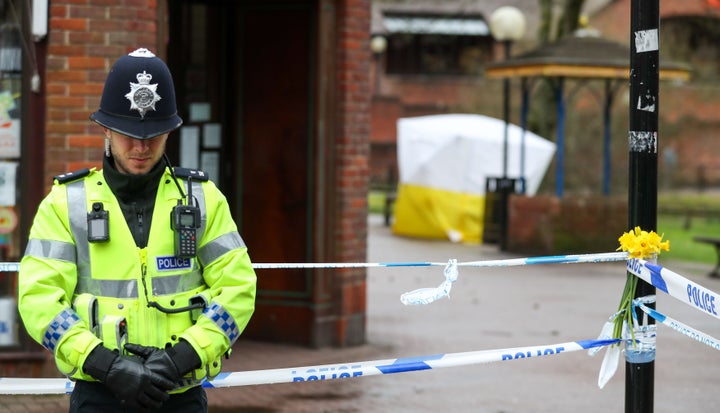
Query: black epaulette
195, 174
71, 176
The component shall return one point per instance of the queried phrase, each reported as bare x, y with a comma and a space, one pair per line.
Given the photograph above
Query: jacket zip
143, 309
140, 226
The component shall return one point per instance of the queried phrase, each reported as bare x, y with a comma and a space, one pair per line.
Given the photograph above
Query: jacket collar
132, 187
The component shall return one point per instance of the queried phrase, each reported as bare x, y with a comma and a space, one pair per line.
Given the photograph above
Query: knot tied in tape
428, 295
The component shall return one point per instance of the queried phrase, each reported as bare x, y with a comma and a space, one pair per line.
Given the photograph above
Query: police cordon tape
9, 266
333, 371
423, 296
678, 326
427, 295
676, 286
553, 259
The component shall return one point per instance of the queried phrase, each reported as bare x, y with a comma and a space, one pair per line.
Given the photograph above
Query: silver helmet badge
143, 95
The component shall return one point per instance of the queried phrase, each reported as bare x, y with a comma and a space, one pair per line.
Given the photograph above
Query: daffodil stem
625, 307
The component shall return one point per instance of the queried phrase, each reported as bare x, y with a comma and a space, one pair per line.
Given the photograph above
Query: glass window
437, 45
424, 54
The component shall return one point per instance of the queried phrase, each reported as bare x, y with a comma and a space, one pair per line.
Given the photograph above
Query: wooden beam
577, 71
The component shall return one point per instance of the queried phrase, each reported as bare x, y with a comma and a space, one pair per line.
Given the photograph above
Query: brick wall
352, 151
385, 112
38, 363
84, 39
548, 225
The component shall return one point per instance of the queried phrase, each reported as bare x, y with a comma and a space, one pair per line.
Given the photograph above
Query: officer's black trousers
93, 397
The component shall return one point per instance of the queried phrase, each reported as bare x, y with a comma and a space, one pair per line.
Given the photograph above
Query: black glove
132, 383
172, 364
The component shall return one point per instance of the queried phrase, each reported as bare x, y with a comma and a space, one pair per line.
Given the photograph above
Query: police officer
135, 276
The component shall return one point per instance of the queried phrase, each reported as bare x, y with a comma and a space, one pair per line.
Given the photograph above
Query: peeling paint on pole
646, 41
643, 141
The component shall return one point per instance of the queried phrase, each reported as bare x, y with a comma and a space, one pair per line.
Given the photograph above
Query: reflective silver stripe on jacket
56, 250
77, 213
165, 285
219, 246
58, 327
224, 320
173, 284
109, 288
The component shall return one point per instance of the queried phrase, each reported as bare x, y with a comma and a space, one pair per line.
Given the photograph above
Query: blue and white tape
9, 266
554, 259
428, 295
551, 259
334, 371
677, 286
15, 266
678, 326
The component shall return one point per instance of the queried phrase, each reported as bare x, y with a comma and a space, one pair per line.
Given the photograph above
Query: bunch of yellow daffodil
642, 244
638, 244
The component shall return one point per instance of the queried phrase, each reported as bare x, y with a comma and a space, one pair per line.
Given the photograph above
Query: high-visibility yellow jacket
62, 275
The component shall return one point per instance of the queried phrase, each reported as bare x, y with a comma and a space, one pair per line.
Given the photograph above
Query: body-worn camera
97, 220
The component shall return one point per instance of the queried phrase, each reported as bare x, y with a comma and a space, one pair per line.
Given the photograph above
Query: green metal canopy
580, 57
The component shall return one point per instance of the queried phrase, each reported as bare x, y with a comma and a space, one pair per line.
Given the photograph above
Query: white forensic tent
443, 163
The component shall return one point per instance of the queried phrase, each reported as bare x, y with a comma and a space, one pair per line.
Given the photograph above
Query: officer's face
135, 156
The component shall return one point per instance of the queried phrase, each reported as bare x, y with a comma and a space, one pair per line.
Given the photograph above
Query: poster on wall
7, 183
9, 126
8, 223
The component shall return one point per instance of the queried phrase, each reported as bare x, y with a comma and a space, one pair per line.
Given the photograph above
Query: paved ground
488, 309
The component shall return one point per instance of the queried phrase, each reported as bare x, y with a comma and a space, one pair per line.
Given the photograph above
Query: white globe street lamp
507, 24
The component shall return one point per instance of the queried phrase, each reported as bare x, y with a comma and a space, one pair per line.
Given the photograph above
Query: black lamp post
378, 45
643, 163
507, 24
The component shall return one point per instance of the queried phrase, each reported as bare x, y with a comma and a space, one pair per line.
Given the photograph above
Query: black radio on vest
185, 220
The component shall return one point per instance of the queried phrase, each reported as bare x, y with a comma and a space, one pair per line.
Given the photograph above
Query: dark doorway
243, 73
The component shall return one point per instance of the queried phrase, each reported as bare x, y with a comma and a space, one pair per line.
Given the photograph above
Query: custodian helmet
139, 97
